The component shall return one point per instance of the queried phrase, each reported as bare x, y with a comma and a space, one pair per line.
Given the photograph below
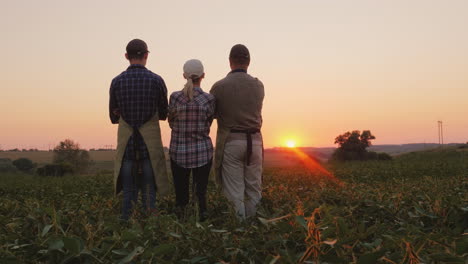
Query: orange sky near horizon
393, 67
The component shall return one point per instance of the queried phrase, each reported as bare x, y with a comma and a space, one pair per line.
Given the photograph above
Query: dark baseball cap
239, 51
137, 47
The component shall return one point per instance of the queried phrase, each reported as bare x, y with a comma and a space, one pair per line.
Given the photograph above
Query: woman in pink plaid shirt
190, 115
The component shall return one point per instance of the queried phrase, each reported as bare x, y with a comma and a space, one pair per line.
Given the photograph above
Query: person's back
138, 98
190, 116
239, 143
191, 128
239, 101
137, 95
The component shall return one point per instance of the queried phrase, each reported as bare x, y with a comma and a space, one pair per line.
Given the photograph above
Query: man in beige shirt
239, 144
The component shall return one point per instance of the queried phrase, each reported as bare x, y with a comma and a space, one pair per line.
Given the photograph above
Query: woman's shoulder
206, 96
176, 94
177, 98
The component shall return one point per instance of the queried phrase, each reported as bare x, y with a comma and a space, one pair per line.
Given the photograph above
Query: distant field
274, 157
47, 156
104, 158
35, 156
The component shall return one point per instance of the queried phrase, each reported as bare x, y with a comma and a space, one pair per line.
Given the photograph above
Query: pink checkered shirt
190, 121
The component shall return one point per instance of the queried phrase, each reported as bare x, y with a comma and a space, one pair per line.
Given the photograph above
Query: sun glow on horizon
314, 166
290, 143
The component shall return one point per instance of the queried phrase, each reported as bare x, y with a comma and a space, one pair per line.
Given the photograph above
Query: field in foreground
410, 210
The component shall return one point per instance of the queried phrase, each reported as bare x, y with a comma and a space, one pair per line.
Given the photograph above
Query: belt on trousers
249, 133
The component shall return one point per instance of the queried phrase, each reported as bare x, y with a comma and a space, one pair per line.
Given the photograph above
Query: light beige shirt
239, 101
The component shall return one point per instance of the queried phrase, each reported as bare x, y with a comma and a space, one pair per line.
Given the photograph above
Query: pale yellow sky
394, 67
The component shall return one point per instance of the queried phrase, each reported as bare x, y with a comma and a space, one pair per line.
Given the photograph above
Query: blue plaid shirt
136, 95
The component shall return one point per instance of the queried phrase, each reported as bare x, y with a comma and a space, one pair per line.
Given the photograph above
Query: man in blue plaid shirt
136, 95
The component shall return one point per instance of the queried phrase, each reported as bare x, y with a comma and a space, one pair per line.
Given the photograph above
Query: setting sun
290, 143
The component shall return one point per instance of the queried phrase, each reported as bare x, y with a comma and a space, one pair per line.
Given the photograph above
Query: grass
410, 210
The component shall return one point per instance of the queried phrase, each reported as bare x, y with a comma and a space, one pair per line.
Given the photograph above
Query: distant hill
325, 153
405, 148
319, 153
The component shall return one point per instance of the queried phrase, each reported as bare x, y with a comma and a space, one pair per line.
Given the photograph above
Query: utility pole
441, 132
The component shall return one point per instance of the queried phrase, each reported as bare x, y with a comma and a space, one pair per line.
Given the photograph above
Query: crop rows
410, 210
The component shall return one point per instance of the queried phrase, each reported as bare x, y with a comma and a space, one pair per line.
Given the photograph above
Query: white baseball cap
193, 68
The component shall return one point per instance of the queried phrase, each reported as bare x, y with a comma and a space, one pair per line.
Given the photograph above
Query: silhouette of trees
353, 146
69, 152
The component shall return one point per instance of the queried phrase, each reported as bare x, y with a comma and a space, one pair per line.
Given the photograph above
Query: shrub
24, 164
371, 155
6, 166
384, 156
342, 155
57, 170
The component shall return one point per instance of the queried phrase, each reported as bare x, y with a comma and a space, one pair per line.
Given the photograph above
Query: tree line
68, 158
353, 146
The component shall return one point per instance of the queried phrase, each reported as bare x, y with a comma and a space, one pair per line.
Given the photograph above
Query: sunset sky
394, 67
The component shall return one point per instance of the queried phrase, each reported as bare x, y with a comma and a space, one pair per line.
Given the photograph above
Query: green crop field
413, 209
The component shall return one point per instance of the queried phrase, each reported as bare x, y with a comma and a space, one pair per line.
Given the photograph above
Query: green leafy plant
408, 210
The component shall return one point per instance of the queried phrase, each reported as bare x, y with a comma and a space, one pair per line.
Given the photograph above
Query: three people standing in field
138, 100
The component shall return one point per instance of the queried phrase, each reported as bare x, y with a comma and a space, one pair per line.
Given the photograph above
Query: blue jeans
133, 184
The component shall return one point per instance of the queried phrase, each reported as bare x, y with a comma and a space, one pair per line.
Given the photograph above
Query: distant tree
69, 152
24, 164
384, 156
353, 145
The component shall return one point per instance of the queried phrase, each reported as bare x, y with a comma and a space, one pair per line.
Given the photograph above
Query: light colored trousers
242, 183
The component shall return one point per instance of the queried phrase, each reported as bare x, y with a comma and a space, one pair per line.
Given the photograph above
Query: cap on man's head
239, 51
137, 47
